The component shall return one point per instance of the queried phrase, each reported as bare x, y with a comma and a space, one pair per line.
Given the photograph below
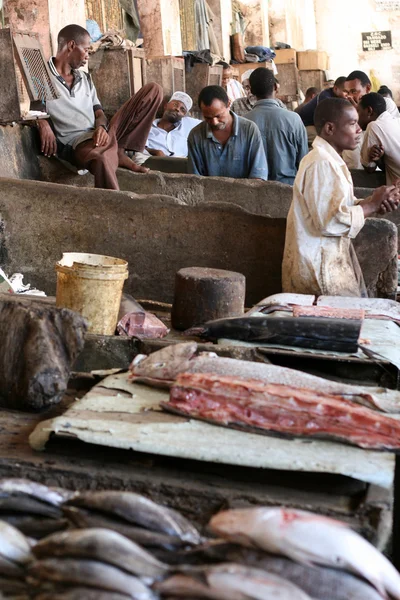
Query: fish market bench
158, 235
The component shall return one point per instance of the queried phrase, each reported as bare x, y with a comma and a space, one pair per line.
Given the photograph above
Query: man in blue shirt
224, 144
307, 111
282, 131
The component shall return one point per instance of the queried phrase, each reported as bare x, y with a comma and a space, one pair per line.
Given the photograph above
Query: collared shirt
242, 106
385, 131
284, 137
234, 89
241, 157
392, 108
174, 142
307, 111
323, 218
72, 113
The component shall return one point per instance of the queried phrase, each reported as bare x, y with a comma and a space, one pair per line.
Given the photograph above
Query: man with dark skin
81, 132
325, 216
225, 144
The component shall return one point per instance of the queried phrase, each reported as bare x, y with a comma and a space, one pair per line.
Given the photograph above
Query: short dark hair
211, 93
374, 101
385, 90
262, 82
70, 33
340, 81
311, 91
224, 65
329, 111
363, 77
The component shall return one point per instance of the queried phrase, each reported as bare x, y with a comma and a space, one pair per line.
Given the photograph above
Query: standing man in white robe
325, 216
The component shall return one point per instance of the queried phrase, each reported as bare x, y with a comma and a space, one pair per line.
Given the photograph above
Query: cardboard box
312, 60
284, 57
242, 68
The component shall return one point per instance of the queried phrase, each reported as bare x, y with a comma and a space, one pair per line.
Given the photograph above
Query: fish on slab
138, 509
161, 368
231, 582
309, 539
43, 493
14, 546
103, 545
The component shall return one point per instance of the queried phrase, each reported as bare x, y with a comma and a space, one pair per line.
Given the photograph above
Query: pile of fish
257, 554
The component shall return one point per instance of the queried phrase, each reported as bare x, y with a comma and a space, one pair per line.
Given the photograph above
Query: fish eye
161, 364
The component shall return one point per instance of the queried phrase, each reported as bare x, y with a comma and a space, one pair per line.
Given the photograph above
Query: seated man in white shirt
168, 135
381, 145
324, 215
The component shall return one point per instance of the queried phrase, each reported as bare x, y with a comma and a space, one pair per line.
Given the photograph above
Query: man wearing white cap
168, 135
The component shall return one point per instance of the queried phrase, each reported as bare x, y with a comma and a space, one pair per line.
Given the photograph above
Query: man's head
336, 121
226, 73
369, 108
311, 93
178, 107
214, 105
262, 83
357, 84
385, 91
74, 43
339, 90
246, 87
329, 84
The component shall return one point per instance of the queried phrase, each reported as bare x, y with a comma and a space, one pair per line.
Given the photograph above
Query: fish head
165, 364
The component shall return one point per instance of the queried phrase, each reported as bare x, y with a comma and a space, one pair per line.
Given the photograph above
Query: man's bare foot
125, 162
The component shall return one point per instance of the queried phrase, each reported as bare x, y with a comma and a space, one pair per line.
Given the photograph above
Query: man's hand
153, 152
384, 199
100, 137
375, 153
48, 142
352, 101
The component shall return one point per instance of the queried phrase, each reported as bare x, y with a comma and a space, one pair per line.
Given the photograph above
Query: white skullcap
184, 98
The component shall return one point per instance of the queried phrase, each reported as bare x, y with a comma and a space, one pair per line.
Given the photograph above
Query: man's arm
196, 164
48, 141
257, 159
302, 143
372, 150
100, 137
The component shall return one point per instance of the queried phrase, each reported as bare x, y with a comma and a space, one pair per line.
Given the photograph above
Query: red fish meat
283, 409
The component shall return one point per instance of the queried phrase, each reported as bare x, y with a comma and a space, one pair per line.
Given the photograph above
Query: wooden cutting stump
203, 294
39, 344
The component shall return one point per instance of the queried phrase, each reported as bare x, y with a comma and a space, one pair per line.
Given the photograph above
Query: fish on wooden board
280, 409
79, 593
43, 493
231, 582
8, 568
82, 519
309, 539
337, 335
12, 586
105, 546
28, 505
161, 368
89, 573
138, 509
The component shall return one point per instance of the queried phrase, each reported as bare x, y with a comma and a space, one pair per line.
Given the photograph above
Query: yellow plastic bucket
91, 284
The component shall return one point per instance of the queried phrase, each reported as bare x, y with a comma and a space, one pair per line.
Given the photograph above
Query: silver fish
35, 526
102, 545
319, 582
54, 496
308, 538
137, 509
28, 505
8, 568
89, 573
162, 368
13, 544
79, 593
10, 585
83, 519
232, 582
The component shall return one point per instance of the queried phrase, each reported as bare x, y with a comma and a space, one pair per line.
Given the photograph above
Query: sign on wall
387, 4
376, 40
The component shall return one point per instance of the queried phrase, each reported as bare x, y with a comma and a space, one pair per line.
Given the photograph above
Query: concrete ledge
158, 235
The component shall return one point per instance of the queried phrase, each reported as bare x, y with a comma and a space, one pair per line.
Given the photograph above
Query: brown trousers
129, 130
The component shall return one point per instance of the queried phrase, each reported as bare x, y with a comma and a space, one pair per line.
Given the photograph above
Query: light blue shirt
242, 156
284, 137
174, 142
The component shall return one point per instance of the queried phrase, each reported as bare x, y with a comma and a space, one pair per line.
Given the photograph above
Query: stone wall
158, 235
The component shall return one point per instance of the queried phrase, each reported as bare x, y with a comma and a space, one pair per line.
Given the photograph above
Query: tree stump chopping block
203, 294
39, 344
